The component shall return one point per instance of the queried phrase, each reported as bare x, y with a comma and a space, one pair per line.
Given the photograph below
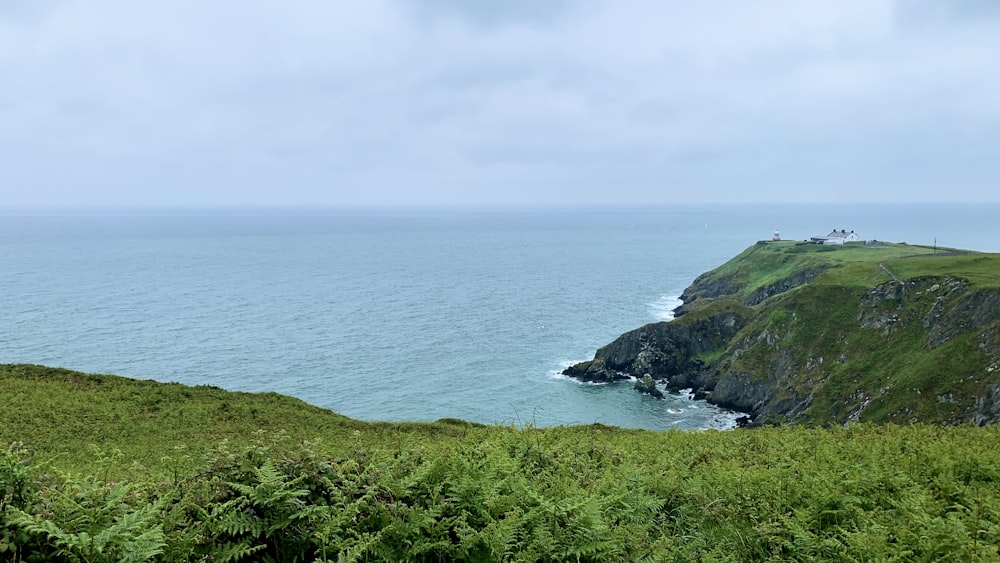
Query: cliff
798, 333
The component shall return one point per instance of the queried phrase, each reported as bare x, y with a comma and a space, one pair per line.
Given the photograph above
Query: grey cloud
25, 10
489, 14
386, 102
932, 13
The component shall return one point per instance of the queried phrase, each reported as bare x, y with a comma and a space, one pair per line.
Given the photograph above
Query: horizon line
316, 208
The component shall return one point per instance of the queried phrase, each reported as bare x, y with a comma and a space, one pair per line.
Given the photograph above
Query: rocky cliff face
918, 349
665, 351
706, 286
764, 293
903, 349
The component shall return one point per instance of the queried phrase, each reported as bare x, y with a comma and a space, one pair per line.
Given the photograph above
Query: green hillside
67, 415
776, 263
103, 468
812, 334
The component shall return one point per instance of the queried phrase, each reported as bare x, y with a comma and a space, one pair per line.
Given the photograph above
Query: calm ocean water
396, 315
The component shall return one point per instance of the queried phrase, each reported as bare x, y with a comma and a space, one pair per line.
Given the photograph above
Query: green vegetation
979, 269
110, 469
863, 347
768, 262
794, 332
68, 415
837, 334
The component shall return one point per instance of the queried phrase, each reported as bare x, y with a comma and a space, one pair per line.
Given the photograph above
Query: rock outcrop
648, 386
764, 293
666, 351
706, 286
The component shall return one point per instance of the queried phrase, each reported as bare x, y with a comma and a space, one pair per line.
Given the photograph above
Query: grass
769, 262
979, 269
66, 415
164, 472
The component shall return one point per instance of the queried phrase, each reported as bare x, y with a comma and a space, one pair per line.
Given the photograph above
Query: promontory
796, 332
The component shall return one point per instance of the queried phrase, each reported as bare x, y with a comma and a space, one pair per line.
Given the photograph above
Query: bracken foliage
112, 469
915, 493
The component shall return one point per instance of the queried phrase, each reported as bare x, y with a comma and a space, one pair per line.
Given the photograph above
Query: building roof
839, 235
842, 233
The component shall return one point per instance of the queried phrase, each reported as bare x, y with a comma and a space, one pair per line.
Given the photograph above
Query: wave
663, 308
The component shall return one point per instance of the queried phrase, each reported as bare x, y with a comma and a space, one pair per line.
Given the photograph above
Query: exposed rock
989, 345
953, 311
880, 306
814, 362
706, 286
860, 399
890, 307
781, 286
647, 385
738, 391
766, 395
965, 311
594, 371
666, 350
988, 406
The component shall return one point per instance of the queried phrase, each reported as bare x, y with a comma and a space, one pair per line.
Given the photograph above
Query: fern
391, 493
131, 538
264, 515
16, 484
235, 551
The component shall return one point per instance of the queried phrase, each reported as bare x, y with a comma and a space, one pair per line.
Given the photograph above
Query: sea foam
663, 308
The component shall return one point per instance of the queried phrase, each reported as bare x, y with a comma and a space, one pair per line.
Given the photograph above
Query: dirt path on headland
888, 271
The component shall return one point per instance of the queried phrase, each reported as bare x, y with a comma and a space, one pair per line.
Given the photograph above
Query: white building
837, 237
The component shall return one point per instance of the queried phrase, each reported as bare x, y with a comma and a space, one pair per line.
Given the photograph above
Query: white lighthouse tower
777, 235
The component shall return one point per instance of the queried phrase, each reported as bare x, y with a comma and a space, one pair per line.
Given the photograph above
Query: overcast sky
520, 102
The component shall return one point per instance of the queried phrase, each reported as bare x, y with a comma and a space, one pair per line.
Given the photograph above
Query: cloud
443, 102
489, 14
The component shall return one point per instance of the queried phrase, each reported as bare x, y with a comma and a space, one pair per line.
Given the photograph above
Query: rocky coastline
825, 342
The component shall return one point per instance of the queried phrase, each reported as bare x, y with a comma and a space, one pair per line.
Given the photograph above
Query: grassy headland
813, 334
111, 469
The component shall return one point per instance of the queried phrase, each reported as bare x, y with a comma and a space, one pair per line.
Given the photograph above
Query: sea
398, 314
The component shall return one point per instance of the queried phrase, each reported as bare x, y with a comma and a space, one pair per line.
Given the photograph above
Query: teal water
396, 315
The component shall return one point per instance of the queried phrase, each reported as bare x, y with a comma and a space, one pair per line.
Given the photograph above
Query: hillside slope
68, 416
795, 332
182, 473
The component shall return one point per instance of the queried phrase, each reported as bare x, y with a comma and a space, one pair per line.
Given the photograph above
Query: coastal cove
409, 315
